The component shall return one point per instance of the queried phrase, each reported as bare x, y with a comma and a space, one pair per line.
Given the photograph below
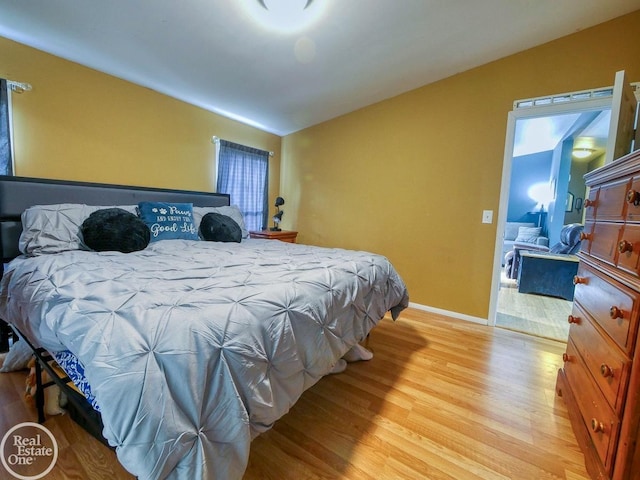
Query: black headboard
19, 193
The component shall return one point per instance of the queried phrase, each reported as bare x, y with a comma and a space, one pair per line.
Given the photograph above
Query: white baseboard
439, 311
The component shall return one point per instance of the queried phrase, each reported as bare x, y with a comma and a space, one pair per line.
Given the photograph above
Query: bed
188, 348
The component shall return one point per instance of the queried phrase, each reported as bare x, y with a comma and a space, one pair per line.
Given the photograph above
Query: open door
623, 117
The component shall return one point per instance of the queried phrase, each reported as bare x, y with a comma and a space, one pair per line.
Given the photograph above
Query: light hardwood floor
539, 315
441, 399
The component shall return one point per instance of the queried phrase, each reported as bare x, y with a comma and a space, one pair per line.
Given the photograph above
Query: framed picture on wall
569, 205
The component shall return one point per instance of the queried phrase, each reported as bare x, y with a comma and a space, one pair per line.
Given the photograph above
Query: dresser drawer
609, 367
633, 201
611, 203
586, 236
612, 305
603, 241
590, 203
629, 249
601, 421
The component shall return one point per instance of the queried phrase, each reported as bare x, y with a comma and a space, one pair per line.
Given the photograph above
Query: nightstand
283, 235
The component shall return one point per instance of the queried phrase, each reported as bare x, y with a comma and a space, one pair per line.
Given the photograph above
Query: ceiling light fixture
264, 5
582, 152
285, 16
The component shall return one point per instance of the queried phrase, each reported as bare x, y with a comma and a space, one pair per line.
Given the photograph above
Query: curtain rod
18, 87
215, 139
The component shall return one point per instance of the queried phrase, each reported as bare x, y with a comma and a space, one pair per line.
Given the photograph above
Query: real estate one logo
28, 451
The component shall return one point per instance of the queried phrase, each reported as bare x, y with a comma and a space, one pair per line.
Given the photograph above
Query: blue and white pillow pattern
169, 221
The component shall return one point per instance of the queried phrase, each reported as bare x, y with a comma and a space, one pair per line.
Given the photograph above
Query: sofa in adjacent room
568, 246
522, 232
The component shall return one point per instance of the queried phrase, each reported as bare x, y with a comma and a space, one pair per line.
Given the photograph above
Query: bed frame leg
39, 392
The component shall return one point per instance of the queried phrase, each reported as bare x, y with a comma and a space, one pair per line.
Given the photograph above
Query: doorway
591, 107
539, 153
546, 193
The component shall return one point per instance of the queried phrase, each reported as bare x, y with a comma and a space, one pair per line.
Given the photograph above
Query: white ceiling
214, 54
543, 134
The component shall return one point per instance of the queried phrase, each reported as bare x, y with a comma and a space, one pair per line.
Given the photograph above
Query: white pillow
528, 234
511, 229
232, 211
17, 358
56, 228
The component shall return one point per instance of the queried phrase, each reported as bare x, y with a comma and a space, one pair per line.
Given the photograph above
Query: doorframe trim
512, 117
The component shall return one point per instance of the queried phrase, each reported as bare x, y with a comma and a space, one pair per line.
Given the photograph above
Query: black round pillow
216, 227
115, 229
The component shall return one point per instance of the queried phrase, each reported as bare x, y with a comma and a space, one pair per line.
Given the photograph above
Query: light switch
487, 216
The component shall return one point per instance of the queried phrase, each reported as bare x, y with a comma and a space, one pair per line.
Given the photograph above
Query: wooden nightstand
283, 235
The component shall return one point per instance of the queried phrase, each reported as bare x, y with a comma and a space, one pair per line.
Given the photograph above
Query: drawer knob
606, 370
597, 426
633, 197
615, 312
577, 280
585, 236
625, 246
566, 357
572, 319
589, 203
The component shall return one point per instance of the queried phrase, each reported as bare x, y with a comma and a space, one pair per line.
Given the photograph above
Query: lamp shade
541, 193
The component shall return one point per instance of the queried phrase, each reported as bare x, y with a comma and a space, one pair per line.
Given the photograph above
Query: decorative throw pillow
56, 228
115, 229
169, 221
232, 211
511, 229
216, 227
528, 234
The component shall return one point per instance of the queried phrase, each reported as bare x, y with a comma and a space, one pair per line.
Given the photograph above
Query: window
243, 173
6, 161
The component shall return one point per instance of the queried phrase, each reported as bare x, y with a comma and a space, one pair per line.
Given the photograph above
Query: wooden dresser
600, 379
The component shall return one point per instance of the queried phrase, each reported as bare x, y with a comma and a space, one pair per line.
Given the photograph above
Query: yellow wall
80, 124
410, 176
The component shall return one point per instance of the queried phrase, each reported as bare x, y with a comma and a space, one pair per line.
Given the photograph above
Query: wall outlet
487, 216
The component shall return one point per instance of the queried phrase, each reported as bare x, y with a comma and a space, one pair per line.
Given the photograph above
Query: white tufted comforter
194, 348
